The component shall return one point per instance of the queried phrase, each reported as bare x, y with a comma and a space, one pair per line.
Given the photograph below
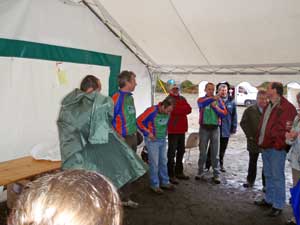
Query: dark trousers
126, 190
176, 147
252, 169
223, 146
131, 140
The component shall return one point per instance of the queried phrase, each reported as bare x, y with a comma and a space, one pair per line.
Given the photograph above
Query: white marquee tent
47, 46
200, 36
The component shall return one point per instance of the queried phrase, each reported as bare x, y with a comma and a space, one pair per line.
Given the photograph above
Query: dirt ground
202, 202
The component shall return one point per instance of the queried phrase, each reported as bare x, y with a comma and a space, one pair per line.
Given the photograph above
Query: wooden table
26, 167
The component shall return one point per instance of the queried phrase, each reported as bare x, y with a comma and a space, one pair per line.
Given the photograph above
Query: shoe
130, 204
222, 169
216, 180
168, 186
262, 203
182, 176
248, 185
199, 176
157, 190
173, 180
275, 212
291, 222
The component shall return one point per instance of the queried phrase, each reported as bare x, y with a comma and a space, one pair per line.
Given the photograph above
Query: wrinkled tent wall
30, 90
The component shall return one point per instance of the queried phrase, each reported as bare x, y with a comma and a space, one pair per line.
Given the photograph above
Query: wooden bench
19, 169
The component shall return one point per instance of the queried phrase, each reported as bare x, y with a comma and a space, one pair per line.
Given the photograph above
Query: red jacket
276, 125
178, 123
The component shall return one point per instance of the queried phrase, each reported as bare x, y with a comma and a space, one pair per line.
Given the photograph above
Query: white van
245, 94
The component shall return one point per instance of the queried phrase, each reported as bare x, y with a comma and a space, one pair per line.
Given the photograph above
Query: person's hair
168, 101
278, 86
125, 76
222, 86
260, 93
90, 81
70, 197
298, 96
209, 83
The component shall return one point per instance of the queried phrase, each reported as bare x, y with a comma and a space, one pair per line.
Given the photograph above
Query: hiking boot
130, 204
173, 180
262, 203
222, 169
200, 176
182, 176
216, 180
157, 190
248, 185
275, 212
291, 222
168, 186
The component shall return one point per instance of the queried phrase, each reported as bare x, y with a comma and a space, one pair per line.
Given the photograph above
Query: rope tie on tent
162, 86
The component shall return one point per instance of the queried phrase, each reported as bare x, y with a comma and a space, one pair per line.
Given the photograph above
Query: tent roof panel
229, 32
157, 29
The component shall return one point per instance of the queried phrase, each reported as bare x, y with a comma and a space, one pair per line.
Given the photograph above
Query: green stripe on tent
33, 50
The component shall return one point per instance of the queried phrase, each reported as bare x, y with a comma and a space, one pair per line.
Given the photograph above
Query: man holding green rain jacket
87, 139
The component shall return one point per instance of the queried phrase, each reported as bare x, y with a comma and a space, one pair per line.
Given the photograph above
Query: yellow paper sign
62, 77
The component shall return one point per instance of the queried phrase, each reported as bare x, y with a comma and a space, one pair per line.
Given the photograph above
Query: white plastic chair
192, 142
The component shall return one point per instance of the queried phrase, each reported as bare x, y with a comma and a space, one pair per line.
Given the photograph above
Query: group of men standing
265, 125
81, 135
276, 120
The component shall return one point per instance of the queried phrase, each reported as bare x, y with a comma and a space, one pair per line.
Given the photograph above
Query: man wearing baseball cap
177, 127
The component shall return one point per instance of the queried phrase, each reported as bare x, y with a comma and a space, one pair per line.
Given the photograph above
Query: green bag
209, 116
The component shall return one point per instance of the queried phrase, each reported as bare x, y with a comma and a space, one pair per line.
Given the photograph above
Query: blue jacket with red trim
124, 120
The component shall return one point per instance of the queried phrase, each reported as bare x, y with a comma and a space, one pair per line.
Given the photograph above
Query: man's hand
151, 137
216, 97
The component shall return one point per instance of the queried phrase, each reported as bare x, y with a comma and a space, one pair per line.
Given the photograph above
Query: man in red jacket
271, 139
177, 127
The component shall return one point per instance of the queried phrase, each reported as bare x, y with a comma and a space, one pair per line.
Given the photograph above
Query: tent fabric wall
25, 49
30, 99
30, 88
212, 32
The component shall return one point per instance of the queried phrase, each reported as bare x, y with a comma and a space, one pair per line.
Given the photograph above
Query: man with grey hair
249, 124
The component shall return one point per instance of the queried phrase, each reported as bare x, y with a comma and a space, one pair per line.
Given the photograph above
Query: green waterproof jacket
88, 141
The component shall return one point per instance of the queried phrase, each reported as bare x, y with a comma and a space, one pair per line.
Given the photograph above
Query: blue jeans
273, 166
157, 155
212, 136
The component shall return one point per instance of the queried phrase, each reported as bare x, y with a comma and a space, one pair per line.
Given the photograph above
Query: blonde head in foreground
73, 197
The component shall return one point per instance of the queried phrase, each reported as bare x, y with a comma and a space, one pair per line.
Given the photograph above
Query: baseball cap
173, 86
